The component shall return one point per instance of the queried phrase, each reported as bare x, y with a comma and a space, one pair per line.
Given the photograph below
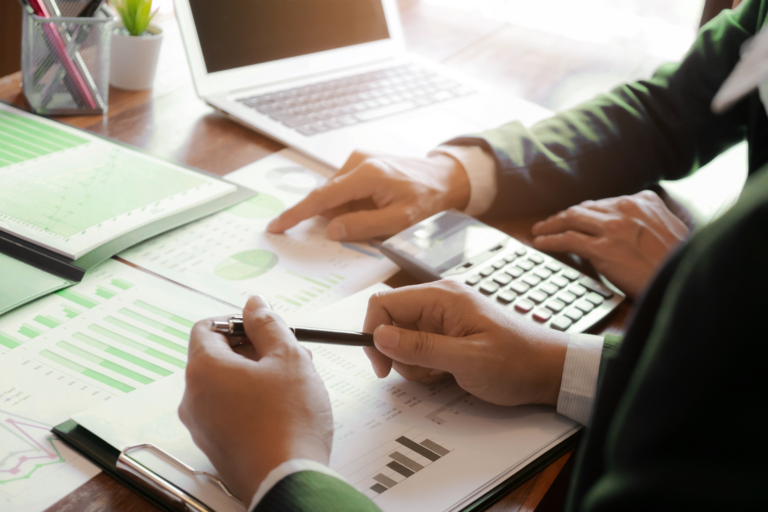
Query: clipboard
166, 496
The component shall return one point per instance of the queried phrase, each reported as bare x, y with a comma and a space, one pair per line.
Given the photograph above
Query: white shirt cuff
481, 170
579, 385
285, 469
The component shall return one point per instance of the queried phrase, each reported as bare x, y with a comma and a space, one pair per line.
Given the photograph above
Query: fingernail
257, 301
386, 336
337, 231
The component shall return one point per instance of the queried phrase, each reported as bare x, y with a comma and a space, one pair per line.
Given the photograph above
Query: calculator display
445, 240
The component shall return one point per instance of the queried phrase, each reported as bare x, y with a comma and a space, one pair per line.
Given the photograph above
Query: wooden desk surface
171, 122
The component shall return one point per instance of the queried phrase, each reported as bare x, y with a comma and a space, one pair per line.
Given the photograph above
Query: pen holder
65, 61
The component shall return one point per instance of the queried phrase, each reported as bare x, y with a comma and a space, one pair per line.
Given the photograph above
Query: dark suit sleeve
621, 142
310, 491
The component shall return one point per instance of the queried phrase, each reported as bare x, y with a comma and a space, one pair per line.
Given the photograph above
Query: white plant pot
133, 59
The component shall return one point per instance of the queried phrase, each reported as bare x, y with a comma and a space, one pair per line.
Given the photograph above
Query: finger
570, 241
336, 192
367, 224
381, 363
265, 329
575, 218
421, 348
203, 341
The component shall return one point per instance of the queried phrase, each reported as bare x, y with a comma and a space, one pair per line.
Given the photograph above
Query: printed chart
86, 191
118, 331
231, 256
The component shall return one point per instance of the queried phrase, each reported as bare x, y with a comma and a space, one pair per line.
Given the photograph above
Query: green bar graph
337, 276
122, 354
75, 297
153, 323
103, 292
289, 301
9, 341
47, 321
302, 299
332, 281
181, 349
305, 292
29, 331
165, 314
100, 377
137, 346
70, 312
105, 363
313, 281
121, 283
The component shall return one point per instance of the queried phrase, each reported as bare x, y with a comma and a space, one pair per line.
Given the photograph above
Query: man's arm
621, 142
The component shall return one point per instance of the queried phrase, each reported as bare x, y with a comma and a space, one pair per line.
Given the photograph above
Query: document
118, 331
405, 445
22, 282
71, 192
230, 255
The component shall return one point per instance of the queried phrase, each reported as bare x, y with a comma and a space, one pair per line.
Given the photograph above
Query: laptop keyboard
334, 104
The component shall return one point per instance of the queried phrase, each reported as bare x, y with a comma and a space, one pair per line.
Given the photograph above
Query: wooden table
171, 122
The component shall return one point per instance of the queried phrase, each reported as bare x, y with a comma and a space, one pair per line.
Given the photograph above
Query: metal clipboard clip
161, 488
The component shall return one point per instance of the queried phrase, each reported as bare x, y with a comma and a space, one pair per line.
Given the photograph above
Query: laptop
326, 77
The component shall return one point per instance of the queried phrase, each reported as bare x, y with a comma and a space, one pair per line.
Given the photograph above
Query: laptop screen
238, 33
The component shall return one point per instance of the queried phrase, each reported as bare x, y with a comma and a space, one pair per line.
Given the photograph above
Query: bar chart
395, 461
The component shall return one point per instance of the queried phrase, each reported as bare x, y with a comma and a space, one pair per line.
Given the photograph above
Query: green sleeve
310, 491
621, 142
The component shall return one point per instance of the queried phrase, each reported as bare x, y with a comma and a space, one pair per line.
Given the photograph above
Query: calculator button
473, 279
542, 273
567, 297
594, 298
532, 280
556, 305
519, 287
503, 279
537, 296
489, 287
571, 274
584, 305
591, 284
561, 323
506, 296
525, 265
554, 266
542, 315
509, 258
573, 313
577, 290
524, 305
558, 281
487, 271
536, 259
548, 288
521, 251
498, 264
514, 271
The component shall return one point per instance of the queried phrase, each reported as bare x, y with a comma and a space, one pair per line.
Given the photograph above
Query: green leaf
135, 14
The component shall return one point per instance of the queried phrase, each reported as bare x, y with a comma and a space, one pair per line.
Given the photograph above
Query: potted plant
135, 46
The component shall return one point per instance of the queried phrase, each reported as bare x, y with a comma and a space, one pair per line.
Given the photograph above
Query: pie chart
260, 206
246, 265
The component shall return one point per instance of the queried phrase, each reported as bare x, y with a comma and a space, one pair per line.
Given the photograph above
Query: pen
89, 10
234, 327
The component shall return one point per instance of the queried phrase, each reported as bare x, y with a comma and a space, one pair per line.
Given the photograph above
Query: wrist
456, 181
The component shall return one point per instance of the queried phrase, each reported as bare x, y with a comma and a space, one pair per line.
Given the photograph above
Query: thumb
265, 329
421, 348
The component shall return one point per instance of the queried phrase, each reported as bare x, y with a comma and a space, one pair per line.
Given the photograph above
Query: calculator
520, 280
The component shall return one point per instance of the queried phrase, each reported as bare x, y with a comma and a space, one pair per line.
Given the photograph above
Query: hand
254, 406
625, 238
423, 331
375, 196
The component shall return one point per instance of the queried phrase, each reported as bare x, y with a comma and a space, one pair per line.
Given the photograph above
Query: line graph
26, 446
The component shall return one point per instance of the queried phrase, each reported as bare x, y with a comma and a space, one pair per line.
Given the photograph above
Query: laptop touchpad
427, 130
